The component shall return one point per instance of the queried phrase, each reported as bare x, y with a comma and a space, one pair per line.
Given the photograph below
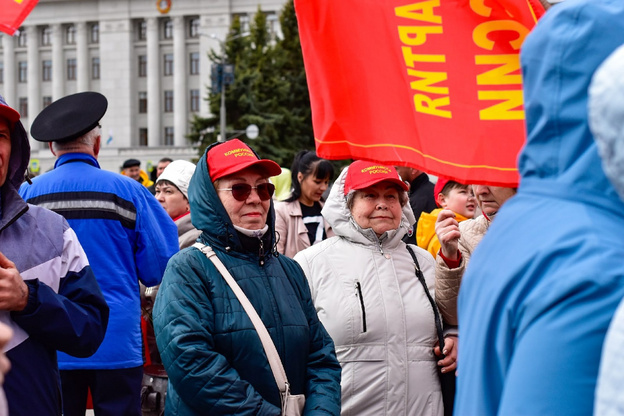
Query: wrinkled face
460, 200
133, 172
160, 167
252, 212
312, 189
377, 207
5, 149
491, 198
171, 199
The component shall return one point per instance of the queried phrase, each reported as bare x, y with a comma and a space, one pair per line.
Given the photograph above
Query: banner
433, 84
13, 14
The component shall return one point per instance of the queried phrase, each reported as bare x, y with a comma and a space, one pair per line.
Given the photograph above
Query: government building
149, 58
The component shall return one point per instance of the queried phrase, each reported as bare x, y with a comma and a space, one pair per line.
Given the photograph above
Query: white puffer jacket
368, 297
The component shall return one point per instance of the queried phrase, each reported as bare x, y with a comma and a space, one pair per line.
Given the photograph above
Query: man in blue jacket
127, 236
48, 293
542, 286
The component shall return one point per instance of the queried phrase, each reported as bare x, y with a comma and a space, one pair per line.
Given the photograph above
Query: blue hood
558, 60
209, 215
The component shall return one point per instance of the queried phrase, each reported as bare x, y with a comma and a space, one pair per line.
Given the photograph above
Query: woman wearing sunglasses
211, 351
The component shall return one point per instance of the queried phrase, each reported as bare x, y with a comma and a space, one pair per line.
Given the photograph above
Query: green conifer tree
269, 90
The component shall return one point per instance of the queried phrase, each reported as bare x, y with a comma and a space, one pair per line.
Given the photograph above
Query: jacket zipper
358, 293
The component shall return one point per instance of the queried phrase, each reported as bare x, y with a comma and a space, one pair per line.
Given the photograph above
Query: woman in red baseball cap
370, 299
212, 353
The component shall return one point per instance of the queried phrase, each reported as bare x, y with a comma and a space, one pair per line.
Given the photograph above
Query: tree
269, 90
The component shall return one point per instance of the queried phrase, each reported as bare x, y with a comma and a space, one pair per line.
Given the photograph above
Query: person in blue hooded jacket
543, 285
211, 351
49, 295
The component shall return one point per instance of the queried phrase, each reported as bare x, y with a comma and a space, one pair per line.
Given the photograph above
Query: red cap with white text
234, 156
362, 174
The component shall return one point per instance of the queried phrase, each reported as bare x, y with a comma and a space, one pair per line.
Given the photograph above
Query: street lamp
224, 74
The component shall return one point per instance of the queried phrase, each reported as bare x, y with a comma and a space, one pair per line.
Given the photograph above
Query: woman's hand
447, 230
449, 362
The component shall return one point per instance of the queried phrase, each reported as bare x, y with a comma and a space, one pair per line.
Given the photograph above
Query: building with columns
149, 58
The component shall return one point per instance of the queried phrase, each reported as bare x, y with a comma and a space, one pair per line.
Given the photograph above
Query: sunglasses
241, 191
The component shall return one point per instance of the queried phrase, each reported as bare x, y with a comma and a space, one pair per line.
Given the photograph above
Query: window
142, 102
244, 22
95, 67
168, 64
47, 100
142, 66
95, 33
22, 75
168, 101
23, 106
193, 28
272, 24
22, 38
194, 67
71, 69
195, 101
1, 72
70, 34
46, 70
46, 36
168, 136
168, 29
142, 137
142, 30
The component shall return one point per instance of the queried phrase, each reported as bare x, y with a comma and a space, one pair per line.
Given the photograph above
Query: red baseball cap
440, 184
362, 174
233, 156
7, 112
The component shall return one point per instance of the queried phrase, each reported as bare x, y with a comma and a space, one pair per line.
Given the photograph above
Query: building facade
149, 58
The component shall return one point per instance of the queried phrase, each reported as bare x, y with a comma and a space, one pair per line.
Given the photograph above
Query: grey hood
338, 215
606, 117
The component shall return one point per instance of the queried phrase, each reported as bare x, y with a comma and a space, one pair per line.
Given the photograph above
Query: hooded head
207, 211
20, 148
558, 60
606, 116
359, 175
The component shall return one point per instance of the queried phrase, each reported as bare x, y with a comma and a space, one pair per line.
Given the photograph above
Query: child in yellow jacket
450, 195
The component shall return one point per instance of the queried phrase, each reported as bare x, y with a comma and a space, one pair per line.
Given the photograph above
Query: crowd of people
201, 290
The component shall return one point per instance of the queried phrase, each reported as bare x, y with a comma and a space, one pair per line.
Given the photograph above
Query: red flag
13, 14
431, 84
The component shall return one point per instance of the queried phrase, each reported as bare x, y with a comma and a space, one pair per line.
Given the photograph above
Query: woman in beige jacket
298, 219
367, 295
458, 241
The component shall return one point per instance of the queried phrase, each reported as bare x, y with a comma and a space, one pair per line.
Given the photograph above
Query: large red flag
13, 14
431, 84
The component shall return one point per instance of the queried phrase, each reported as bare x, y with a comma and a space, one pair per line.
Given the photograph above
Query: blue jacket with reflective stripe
127, 236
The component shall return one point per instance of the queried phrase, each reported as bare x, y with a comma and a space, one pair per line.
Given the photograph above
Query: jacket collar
76, 157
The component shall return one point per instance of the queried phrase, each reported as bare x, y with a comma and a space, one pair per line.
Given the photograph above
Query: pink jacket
293, 234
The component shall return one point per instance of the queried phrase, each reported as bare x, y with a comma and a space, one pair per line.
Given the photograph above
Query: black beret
131, 162
69, 117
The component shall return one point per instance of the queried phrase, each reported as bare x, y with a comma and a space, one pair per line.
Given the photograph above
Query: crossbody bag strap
267, 343
436, 314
